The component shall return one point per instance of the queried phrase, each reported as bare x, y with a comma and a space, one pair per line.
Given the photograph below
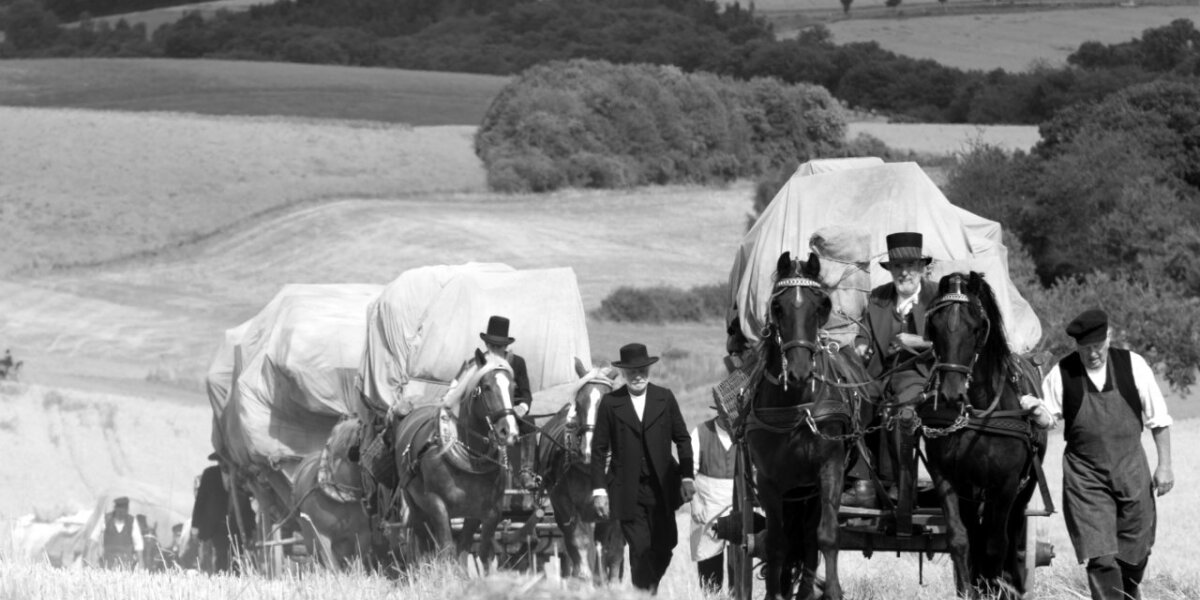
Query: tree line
508, 36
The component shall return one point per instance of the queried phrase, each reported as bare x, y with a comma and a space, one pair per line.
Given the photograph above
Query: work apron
1108, 502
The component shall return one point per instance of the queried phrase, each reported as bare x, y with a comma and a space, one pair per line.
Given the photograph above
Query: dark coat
212, 502
619, 432
212, 514
883, 326
521, 378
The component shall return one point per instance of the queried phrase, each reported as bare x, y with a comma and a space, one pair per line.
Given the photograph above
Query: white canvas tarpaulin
879, 199
291, 374
427, 322
396, 328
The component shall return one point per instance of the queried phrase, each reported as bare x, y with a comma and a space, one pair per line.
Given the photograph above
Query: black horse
804, 415
980, 444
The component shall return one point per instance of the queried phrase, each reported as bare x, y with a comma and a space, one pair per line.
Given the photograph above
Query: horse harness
444, 438
786, 419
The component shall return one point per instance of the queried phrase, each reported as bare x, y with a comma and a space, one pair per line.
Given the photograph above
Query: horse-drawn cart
802, 405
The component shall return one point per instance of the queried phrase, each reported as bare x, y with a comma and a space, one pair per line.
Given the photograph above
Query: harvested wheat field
132, 240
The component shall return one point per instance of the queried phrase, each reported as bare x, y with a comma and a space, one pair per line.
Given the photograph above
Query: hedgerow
588, 123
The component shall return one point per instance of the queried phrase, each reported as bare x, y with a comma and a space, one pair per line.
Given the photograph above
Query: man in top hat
122, 537
1105, 396
496, 342
892, 339
642, 486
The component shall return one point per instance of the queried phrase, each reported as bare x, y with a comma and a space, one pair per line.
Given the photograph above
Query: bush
605, 125
663, 303
1155, 320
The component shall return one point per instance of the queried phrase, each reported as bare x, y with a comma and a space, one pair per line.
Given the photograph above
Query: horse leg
612, 544
777, 573
466, 539
832, 478
996, 527
805, 554
487, 538
956, 532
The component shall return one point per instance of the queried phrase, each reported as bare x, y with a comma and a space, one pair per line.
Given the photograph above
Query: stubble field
132, 240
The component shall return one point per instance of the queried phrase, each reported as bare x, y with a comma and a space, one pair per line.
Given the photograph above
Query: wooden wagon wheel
742, 582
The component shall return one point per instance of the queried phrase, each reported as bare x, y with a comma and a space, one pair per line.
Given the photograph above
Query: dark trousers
712, 572
651, 537
1112, 579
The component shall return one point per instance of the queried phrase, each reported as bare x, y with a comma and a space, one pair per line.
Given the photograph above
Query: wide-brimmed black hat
634, 356
1090, 327
905, 246
497, 332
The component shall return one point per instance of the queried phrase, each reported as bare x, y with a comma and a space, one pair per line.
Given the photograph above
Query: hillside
1014, 41
245, 88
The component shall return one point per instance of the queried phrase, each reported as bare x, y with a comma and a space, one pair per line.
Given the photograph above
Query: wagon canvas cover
283, 379
878, 199
427, 322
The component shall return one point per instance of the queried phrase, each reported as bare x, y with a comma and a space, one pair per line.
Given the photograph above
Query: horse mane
470, 378
343, 436
995, 353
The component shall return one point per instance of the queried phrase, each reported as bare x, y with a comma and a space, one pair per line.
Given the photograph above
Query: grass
217, 87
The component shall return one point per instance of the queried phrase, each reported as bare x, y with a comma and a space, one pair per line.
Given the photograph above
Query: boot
860, 495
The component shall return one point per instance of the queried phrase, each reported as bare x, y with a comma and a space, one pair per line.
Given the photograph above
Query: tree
846, 6
29, 26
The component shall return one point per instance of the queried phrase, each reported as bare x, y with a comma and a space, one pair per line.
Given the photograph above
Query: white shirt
639, 404
1154, 407
906, 304
722, 436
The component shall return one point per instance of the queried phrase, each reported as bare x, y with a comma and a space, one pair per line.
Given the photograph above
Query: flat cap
1090, 327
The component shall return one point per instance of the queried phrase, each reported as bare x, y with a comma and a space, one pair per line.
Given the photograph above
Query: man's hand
688, 489
521, 409
1164, 480
697, 518
600, 503
909, 341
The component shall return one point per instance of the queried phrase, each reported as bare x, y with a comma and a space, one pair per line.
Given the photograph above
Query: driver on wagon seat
497, 341
892, 338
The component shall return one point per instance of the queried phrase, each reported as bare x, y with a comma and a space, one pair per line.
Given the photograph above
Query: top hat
497, 332
905, 246
1090, 327
634, 356
123, 501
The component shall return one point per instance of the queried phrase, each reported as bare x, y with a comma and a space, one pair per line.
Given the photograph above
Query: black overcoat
619, 431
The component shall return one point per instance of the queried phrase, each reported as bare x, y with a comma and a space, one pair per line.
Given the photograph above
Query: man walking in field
122, 538
642, 488
1105, 396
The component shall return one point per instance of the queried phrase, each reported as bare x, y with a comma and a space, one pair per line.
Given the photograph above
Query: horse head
489, 406
799, 306
582, 412
967, 331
